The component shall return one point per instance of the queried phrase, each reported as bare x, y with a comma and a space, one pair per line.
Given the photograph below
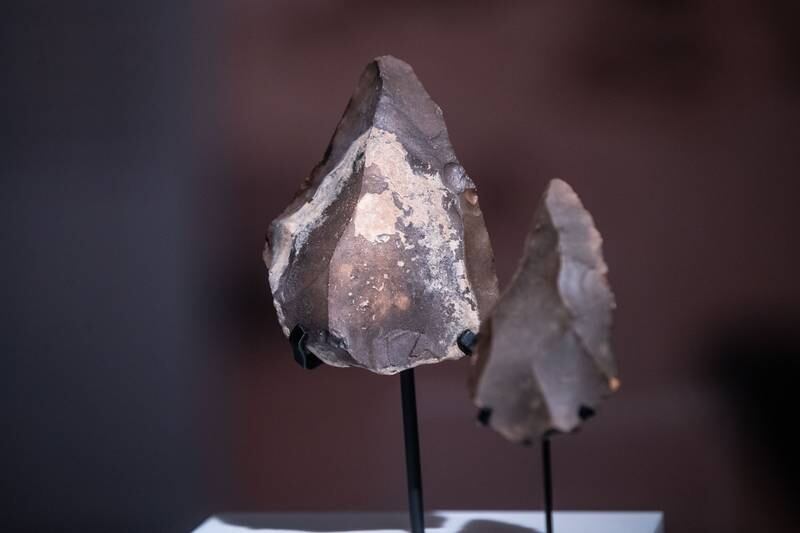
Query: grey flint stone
383, 257
543, 361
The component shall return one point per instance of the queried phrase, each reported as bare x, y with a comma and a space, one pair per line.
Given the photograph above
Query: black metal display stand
416, 510
548, 485
413, 466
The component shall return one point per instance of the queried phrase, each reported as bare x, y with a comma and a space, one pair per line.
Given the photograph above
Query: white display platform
435, 522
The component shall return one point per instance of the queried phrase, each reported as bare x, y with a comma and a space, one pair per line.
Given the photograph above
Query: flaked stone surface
383, 257
543, 361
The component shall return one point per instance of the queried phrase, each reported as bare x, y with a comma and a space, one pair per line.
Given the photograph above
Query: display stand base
436, 522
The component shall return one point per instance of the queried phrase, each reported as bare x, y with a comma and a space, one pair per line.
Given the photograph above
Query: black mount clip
467, 341
484, 414
302, 355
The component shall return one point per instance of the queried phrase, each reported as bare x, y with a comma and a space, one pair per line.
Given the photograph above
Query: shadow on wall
757, 363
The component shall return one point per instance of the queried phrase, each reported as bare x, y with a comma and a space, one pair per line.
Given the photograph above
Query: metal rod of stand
548, 486
413, 468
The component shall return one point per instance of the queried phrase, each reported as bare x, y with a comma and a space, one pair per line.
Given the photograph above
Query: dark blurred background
146, 147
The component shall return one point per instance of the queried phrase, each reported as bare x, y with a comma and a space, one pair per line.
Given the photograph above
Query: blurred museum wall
147, 146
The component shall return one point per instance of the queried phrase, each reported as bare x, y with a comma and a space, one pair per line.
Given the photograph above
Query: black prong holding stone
550, 433
585, 412
467, 341
303, 357
484, 414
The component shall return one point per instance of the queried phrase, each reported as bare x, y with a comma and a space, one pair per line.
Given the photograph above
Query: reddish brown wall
678, 127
